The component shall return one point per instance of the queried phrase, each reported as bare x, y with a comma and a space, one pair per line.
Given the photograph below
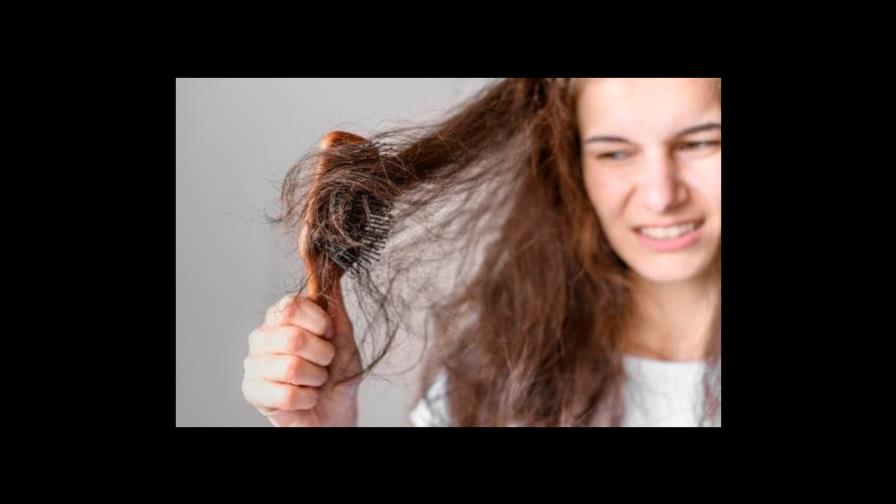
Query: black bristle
368, 225
356, 242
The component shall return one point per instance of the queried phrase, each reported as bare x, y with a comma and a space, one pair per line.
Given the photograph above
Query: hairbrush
350, 229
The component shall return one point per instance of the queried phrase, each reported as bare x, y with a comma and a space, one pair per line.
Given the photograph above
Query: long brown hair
530, 331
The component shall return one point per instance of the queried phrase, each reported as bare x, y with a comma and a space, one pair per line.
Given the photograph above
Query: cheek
708, 181
715, 195
607, 195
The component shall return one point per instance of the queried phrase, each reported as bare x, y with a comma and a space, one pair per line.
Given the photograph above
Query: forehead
645, 105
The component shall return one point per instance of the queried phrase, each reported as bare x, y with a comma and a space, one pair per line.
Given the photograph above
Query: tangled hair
529, 331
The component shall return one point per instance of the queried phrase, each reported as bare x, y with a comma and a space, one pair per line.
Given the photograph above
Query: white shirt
656, 393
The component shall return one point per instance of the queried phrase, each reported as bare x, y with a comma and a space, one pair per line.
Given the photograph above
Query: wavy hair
529, 331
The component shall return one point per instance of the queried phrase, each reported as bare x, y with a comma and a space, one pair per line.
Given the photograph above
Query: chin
669, 270
665, 276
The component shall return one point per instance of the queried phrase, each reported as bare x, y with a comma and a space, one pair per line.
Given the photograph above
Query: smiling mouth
670, 232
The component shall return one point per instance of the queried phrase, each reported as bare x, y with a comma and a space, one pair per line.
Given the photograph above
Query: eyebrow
688, 131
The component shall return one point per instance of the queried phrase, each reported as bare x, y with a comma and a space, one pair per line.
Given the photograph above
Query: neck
672, 320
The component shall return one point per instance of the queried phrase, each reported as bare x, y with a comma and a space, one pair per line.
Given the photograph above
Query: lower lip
671, 244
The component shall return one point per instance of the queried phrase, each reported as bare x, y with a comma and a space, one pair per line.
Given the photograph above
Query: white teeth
668, 232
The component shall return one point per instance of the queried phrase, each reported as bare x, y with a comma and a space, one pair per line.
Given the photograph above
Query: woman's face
652, 161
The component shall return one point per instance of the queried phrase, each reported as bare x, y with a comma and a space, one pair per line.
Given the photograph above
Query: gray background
235, 140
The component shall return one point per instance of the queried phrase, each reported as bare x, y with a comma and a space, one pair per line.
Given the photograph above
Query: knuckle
284, 337
293, 368
275, 310
285, 301
298, 339
288, 398
272, 311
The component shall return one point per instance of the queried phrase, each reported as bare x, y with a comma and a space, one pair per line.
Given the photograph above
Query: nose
662, 187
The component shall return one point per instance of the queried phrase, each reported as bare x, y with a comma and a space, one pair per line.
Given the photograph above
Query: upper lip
676, 223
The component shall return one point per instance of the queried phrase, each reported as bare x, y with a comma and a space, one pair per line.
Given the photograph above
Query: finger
286, 369
343, 332
274, 314
293, 418
291, 340
336, 310
280, 396
308, 315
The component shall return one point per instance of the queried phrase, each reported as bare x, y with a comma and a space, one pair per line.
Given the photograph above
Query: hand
295, 358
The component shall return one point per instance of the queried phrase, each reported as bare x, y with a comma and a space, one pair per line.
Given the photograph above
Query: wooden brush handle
332, 139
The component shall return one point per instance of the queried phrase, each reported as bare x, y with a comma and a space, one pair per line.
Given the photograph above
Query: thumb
342, 332
336, 309
347, 360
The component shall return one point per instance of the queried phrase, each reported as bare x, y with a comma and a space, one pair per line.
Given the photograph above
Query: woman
597, 300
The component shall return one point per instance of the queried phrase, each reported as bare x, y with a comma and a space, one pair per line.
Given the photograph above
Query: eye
692, 146
613, 156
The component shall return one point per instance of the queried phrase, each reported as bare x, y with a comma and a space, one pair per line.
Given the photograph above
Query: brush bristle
367, 225
366, 219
